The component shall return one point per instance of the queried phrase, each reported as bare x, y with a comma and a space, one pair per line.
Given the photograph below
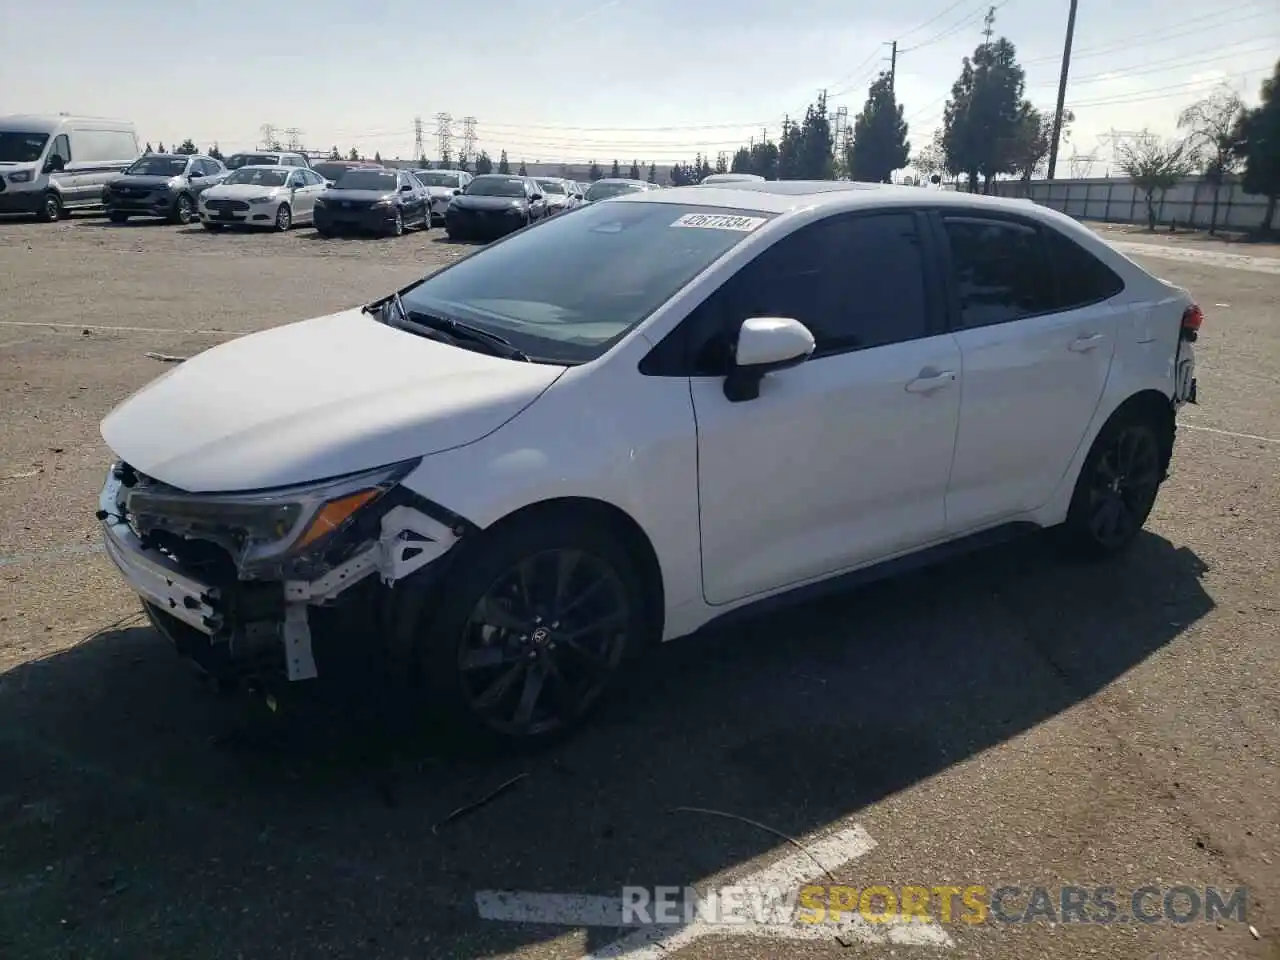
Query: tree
986, 112
523, 171
504, 165
353, 154
595, 173
1153, 165
614, 171
161, 149
634, 172
741, 162
334, 154
377, 157
187, 148
814, 159
653, 173
931, 159
1211, 125
483, 163
1258, 145
722, 162
215, 152
879, 135
147, 148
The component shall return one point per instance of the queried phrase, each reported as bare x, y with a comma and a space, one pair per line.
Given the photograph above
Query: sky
580, 80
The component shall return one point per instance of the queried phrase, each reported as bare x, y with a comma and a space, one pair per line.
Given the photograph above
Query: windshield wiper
498, 346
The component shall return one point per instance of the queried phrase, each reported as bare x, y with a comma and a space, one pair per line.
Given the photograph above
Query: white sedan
628, 424
274, 197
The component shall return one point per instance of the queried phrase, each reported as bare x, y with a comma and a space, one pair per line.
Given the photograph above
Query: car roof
619, 180
265, 153
175, 156
783, 196
47, 123
270, 166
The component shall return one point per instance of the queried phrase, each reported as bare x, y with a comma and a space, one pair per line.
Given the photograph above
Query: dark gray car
161, 185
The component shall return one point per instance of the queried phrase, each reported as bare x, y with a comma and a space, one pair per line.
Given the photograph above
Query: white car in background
671, 408
560, 194
274, 197
442, 186
723, 178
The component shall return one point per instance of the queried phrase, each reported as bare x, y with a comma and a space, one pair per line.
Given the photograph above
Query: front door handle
930, 380
1085, 344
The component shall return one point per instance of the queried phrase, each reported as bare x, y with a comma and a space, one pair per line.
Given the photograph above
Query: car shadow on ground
142, 811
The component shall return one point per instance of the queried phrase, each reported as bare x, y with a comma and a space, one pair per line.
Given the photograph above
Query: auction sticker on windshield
720, 221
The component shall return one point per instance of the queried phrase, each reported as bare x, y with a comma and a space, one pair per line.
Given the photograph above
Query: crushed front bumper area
237, 627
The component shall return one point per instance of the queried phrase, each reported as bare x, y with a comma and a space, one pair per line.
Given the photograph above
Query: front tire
284, 218
528, 631
397, 225
50, 208
183, 210
116, 217
1117, 486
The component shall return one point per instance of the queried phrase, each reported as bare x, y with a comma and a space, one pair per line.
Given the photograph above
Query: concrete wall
1117, 200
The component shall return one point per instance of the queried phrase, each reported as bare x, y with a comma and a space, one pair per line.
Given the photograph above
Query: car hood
314, 400
138, 180
238, 191
361, 196
465, 202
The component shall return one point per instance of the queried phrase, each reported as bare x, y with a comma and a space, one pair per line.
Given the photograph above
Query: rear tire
50, 208
1117, 486
552, 601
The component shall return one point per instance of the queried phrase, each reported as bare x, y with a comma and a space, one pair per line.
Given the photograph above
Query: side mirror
406, 188
457, 193
765, 344
535, 197
55, 164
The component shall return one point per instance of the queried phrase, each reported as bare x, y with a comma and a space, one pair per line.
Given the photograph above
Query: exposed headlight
22, 176
265, 198
382, 203
269, 526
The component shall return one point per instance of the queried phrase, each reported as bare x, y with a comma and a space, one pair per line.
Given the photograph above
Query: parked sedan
494, 205
560, 194
161, 185
272, 197
373, 201
615, 187
332, 170
442, 186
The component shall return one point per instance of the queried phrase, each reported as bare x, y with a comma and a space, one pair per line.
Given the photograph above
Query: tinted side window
855, 282
1000, 271
1082, 278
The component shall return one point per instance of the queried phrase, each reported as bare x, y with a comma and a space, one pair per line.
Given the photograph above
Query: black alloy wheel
1123, 486
542, 642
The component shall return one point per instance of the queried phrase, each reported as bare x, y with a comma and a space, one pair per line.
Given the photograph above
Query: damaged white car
635, 421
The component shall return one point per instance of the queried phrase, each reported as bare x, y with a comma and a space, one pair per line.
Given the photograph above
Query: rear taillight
1192, 317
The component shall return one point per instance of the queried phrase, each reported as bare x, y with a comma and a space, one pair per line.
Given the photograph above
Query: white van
52, 164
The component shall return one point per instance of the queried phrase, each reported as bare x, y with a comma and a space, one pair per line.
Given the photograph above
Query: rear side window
1083, 279
1001, 271
105, 146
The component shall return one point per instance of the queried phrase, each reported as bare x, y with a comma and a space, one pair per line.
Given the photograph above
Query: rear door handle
1085, 344
931, 380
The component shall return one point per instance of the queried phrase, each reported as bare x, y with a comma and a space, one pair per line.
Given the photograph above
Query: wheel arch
637, 541
1156, 405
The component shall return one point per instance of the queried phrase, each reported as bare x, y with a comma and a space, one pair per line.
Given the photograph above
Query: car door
70, 184
303, 200
199, 176
420, 197
1034, 367
842, 460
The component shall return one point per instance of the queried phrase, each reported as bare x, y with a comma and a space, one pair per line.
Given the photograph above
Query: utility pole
893, 66
1062, 91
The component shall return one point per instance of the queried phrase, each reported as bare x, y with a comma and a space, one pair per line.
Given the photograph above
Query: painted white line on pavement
1228, 433
1209, 258
109, 328
654, 941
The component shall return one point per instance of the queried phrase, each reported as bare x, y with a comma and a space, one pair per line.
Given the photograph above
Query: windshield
566, 291
259, 177
383, 180
434, 178
21, 147
602, 191
495, 187
157, 167
331, 171
251, 160
552, 186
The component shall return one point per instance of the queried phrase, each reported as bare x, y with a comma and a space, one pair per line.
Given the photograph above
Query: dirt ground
1008, 720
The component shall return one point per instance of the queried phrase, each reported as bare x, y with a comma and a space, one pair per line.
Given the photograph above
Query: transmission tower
419, 151
469, 138
1082, 164
294, 141
444, 134
268, 135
